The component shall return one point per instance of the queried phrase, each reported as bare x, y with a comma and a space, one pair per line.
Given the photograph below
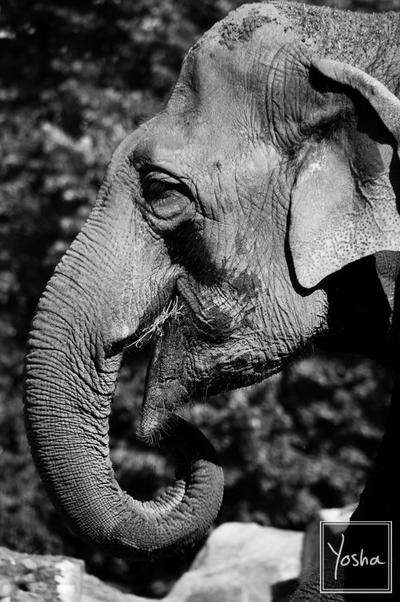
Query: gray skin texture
241, 204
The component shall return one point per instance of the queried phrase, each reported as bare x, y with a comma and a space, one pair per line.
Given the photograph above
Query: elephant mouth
151, 325
187, 368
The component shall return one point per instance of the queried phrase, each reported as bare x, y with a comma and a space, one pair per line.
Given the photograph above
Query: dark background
76, 77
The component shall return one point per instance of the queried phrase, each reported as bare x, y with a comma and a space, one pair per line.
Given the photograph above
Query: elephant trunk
104, 290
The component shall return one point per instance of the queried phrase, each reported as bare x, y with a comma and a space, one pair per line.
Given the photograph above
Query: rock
29, 564
242, 563
41, 578
95, 590
70, 579
25, 581
21, 596
239, 563
6, 588
310, 552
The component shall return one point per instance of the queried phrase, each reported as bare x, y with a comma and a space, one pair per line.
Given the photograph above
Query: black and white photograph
199, 300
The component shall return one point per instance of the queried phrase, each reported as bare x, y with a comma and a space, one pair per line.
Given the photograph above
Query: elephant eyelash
158, 186
153, 189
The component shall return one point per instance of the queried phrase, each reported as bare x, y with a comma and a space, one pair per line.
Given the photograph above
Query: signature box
356, 557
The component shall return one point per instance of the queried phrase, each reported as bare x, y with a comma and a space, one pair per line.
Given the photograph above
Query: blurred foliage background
76, 77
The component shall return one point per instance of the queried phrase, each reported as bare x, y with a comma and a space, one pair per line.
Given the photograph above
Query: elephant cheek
132, 311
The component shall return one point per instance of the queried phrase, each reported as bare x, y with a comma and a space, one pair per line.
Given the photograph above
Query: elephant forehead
228, 66
214, 87
237, 51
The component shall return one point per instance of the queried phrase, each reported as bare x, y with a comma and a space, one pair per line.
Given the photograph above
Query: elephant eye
168, 201
154, 188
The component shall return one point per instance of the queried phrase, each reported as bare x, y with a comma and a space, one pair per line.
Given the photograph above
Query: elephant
256, 214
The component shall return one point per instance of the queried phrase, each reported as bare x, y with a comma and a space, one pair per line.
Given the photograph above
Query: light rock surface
240, 562
95, 590
34, 578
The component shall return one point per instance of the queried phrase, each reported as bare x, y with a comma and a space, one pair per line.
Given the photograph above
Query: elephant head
272, 167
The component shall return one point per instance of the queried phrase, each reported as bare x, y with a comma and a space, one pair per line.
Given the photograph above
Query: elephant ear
343, 204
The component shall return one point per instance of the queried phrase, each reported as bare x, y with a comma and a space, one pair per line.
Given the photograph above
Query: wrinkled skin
261, 205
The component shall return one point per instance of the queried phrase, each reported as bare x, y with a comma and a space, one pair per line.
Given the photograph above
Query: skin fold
261, 205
